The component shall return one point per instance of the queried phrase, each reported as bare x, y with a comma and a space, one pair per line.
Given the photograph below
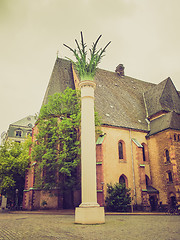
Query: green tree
118, 199
57, 146
56, 149
14, 160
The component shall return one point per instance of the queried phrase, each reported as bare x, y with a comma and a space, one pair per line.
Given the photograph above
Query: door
153, 203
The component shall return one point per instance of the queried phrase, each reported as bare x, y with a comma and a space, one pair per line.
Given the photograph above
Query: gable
162, 97
170, 100
61, 78
28, 121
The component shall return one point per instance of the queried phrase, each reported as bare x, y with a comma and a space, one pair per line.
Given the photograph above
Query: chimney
120, 70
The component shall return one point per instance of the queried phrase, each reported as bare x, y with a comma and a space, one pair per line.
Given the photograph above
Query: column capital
87, 83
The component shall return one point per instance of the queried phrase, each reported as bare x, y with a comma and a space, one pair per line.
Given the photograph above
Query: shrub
118, 199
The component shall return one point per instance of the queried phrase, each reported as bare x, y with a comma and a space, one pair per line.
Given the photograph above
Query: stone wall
160, 167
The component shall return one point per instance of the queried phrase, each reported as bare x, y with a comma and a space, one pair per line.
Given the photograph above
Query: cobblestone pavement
50, 226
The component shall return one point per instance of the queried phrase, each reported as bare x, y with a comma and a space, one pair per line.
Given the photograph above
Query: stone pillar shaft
88, 147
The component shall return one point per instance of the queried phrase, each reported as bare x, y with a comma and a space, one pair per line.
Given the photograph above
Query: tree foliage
14, 160
87, 68
118, 199
57, 146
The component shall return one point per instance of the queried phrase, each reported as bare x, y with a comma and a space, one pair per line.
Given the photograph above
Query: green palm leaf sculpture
87, 68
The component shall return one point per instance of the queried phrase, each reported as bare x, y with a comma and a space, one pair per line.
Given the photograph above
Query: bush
118, 199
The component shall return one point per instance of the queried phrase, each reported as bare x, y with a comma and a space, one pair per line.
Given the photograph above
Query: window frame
125, 179
18, 133
170, 177
121, 150
167, 156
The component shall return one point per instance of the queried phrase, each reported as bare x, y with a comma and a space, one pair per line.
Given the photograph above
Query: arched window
167, 156
121, 150
175, 137
123, 179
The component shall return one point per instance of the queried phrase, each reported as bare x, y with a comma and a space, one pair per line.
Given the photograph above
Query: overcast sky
145, 37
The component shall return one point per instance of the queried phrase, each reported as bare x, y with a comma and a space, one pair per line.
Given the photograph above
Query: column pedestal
89, 215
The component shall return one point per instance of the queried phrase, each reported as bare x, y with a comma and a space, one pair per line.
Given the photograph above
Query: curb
72, 212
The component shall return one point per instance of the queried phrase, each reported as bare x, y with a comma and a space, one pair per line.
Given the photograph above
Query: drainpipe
148, 122
134, 185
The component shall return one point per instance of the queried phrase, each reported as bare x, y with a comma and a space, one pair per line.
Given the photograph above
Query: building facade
20, 130
140, 140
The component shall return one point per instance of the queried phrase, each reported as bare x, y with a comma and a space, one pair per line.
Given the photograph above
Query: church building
140, 140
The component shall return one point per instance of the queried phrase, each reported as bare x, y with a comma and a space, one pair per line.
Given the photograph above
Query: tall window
120, 146
144, 155
147, 181
121, 150
170, 178
145, 152
167, 156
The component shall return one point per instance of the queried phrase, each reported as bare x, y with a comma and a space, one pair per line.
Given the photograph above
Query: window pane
120, 146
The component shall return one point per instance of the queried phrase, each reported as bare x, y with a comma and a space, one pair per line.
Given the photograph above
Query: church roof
121, 100
170, 120
27, 122
162, 97
61, 78
151, 189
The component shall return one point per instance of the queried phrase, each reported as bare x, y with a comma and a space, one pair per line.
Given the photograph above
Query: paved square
44, 226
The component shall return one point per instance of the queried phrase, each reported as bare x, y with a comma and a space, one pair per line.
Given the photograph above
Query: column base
89, 215
89, 205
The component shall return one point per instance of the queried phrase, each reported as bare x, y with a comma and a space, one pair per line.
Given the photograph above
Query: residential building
20, 130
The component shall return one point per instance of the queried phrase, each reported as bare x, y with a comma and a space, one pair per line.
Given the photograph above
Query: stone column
89, 211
